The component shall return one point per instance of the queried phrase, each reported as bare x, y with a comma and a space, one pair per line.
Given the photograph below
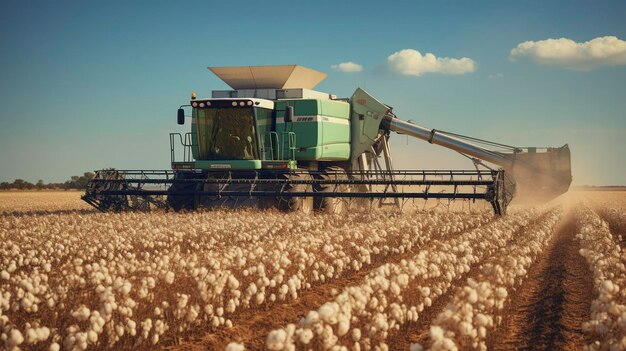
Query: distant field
435, 276
23, 201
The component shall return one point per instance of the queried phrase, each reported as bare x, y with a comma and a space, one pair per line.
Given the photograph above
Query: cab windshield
226, 134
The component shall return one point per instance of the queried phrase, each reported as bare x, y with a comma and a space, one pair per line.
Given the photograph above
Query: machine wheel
302, 204
332, 204
182, 202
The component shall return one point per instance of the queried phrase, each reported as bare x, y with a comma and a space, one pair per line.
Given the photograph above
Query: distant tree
19, 183
75, 182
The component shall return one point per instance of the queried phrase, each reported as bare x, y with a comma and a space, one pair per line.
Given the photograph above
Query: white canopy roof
269, 77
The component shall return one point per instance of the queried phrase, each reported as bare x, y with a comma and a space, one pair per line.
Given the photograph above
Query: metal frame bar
137, 188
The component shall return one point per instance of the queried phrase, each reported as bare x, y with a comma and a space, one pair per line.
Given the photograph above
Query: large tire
302, 204
332, 204
182, 202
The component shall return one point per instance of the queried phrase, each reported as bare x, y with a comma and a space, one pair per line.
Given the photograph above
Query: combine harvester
273, 142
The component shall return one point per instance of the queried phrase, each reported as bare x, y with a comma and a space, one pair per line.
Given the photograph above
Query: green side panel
322, 128
228, 164
332, 152
332, 108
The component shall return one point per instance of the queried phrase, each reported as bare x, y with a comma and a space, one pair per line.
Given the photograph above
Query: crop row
363, 316
607, 325
478, 306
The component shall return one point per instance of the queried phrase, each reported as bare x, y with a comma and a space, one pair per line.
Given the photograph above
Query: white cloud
495, 76
348, 67
601, 51
411, 63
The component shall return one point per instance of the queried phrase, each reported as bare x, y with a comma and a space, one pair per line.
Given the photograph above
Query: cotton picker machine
273, 142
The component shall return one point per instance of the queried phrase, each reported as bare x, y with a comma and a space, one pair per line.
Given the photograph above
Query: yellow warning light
193, 96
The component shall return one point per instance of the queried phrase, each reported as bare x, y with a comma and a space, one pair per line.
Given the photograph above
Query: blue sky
88, 85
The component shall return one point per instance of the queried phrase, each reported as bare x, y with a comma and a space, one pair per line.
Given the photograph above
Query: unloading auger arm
434, 137
532, 175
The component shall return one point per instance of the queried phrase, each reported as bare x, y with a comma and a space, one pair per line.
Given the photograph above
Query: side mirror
181, 116
289, 114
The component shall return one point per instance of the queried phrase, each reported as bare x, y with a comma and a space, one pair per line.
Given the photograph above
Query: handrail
187, 144
277, 140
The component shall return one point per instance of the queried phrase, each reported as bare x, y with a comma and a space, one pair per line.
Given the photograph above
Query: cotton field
548, 277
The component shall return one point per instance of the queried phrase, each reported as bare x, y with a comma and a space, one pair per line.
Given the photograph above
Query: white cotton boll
449, 344
501, 293
276, 339
169, 277
192, 314
420, 307
26, 285
231, 306
607, 285
182, 301
260, 297
12, 267
311, 318
356, 334
416, 347
132, 327
436, 333
126, 288
465, 328
306, 336
327, 312
5, 275
82, 313
15, 338
482, 332
233, 283
472, 296
31, 336
481, 320
81, 340
344, 326
234, 346
43, 333
54, 347
380, 322
92, 336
